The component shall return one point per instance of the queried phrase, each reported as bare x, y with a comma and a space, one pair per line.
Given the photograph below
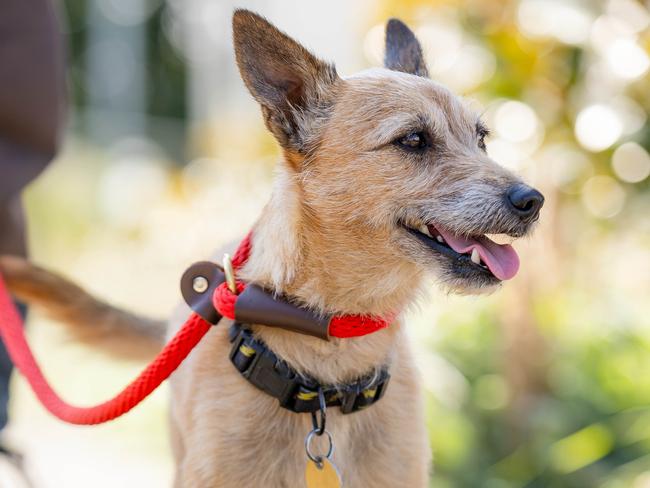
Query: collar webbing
266, 371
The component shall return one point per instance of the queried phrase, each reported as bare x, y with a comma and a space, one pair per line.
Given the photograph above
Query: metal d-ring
318, 459
230, 274
319, 427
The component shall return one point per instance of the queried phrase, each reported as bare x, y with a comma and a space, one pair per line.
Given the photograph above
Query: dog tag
325, 476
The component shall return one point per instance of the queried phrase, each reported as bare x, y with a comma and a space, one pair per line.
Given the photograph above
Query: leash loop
318, 458
319, 426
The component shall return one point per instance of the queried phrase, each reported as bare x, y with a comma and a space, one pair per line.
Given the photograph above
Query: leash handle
12, 334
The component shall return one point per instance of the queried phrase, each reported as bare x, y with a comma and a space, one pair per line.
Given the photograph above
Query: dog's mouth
481, 253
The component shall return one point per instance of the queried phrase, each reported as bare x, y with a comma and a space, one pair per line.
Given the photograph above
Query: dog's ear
291, 84
403, 50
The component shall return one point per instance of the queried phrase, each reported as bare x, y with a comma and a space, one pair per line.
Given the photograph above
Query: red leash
146, 382
12, 334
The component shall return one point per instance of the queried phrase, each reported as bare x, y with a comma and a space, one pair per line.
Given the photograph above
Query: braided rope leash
163, 365
147, 381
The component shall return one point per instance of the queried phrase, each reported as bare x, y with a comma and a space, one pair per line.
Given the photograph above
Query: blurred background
545, 383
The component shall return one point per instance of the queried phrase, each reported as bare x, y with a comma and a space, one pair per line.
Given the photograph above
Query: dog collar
267, 372
214, 293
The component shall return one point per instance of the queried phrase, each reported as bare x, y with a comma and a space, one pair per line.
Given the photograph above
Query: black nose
525, 201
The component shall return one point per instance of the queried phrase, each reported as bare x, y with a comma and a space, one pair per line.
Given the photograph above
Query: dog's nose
525, 201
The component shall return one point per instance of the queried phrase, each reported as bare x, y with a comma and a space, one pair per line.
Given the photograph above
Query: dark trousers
12, 241
6, 367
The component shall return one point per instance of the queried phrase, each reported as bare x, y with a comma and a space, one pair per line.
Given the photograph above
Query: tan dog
384, 179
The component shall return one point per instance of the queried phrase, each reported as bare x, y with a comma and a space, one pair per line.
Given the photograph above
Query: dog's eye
482, 133
412, 141
481, 142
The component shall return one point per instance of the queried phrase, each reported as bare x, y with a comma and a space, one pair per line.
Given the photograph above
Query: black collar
266, 371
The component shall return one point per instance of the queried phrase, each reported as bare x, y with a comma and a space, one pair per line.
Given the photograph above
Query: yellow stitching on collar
370, 393
307, 395
246, 350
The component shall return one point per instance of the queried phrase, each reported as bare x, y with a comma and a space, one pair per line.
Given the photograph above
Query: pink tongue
501, 259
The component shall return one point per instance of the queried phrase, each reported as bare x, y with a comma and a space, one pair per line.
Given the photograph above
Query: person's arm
32, 101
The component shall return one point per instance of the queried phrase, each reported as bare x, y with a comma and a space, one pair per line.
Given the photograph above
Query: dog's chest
233, 435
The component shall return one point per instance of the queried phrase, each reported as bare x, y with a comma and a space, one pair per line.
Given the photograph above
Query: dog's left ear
292, 85
403, 50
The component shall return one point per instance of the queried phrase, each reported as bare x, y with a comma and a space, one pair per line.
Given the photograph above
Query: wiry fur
333, 238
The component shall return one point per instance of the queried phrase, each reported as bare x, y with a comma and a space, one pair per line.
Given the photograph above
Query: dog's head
387, 159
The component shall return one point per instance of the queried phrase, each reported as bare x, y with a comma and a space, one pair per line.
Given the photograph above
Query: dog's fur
333, 237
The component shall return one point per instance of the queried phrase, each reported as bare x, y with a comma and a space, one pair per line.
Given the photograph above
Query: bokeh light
626, 59
603, 196
632, 114
608, 29
598, 127
442, 39
515, 121
630, 12
569, 167
565, 21
631, 162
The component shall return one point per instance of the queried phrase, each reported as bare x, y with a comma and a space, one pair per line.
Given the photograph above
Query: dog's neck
326, 264
334, 271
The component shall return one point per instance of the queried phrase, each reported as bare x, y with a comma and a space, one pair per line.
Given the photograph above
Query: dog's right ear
290, 83
403, 50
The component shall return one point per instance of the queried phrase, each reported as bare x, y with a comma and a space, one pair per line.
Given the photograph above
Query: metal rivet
200, 284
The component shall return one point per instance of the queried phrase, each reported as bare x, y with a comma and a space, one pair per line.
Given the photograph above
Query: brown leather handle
257, 306
253, 306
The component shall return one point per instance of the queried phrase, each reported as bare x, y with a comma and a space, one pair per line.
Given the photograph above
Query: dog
384, 180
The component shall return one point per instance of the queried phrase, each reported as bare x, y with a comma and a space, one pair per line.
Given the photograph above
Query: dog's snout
525, 201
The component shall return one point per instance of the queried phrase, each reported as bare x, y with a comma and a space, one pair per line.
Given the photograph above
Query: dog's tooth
425, 230
440, 239
500, 239
476, 258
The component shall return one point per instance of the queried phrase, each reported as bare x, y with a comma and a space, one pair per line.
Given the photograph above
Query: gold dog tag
323, 477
